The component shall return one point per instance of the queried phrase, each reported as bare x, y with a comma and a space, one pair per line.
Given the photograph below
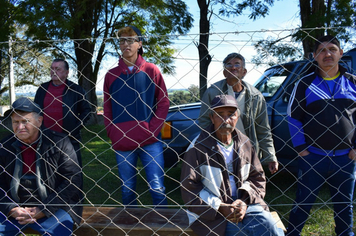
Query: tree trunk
203, 47
84, 51
312, 15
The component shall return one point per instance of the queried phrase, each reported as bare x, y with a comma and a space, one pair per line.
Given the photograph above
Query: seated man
223, 182
39, 178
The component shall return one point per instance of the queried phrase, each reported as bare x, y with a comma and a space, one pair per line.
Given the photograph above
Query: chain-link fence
103, 191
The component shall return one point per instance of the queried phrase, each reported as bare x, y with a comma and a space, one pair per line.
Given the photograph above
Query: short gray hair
234, 55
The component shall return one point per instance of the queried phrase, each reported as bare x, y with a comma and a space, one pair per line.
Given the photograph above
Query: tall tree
6, 28
92, 26
318, 17
208, 8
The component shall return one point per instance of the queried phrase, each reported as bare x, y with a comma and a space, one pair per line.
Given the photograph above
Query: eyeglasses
129, 41
230, 66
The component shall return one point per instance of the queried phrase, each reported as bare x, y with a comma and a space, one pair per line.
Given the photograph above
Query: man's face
26, 126
59, 73
224, 120
129, 45
234, 69
327, 55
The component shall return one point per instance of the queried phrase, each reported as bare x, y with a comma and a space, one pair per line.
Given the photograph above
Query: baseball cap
23, 104
223, 101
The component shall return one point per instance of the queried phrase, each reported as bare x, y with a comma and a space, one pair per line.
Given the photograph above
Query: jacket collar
137, 67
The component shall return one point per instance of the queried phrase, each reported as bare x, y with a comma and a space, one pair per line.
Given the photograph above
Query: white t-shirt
228, 152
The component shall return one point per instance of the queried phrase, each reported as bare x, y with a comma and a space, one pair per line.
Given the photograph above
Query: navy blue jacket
322, 120
59, 175
76, 108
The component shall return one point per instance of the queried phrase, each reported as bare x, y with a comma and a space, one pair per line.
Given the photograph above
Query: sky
234, 34
283, 15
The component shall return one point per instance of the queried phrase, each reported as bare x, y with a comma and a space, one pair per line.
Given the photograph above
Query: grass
101, 182
102, 185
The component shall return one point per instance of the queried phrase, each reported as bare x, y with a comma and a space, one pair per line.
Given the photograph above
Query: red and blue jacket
322, 117
135, 104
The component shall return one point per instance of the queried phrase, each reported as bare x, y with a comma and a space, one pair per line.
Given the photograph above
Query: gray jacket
255, 119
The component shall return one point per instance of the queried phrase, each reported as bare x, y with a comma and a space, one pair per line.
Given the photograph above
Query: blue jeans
257, 222
314, 170
153, 163
61, 224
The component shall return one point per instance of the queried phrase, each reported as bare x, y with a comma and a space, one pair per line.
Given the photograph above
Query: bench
107, 221
138, 221
133, 221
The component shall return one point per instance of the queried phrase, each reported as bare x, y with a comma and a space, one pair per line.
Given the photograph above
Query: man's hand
27, 215
35, 212
352, 154
239, 210
304, 153
234, 212
273, 167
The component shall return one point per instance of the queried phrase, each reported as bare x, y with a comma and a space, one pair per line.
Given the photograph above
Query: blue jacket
321, 120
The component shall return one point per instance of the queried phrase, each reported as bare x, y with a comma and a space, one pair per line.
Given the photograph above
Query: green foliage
184, 96
319, 17
267, 49
81, 19
92, 25
4, 100
257, 8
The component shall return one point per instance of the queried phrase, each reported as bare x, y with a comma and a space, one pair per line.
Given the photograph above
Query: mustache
328, 58
226, 126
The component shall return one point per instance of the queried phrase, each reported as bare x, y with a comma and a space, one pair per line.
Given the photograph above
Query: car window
272, 79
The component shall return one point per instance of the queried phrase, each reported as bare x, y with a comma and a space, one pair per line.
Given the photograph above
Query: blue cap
24, 104
138, 32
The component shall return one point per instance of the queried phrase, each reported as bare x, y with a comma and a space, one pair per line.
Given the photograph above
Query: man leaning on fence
223, 183
322, 113
40, 176
135, 106
65, 108
253, 120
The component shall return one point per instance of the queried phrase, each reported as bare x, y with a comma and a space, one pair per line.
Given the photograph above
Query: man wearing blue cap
40, 176
135, 106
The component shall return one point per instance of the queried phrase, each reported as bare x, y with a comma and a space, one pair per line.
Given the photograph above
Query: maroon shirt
53, 110
28, 154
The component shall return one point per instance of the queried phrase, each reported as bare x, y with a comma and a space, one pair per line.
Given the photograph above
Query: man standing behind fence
65, 108
135, 106
253, 121
40, 176
223, 182
322, 113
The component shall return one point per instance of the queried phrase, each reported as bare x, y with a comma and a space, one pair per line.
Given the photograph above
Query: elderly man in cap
223, 183
40, 176
135, 107
253, 120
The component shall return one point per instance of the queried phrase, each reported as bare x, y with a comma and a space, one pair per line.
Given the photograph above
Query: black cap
138, 32
23, 104
223, 101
